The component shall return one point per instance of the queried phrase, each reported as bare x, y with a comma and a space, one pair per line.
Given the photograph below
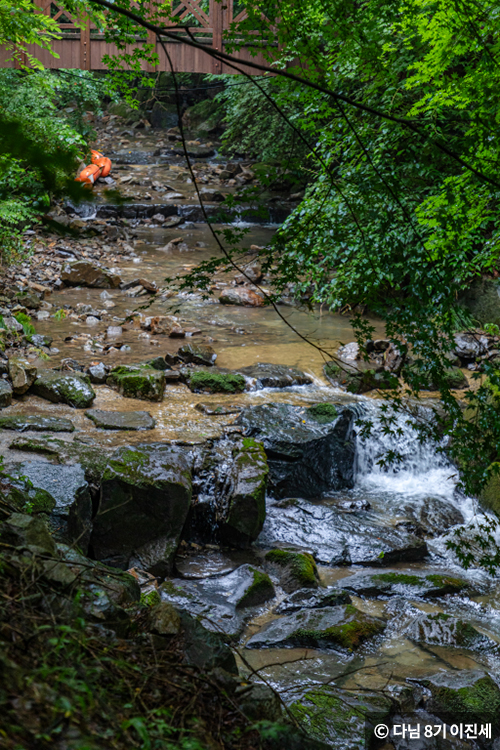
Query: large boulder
22, 373
64, 387
138, 381
71, 516
145, 498
226, 601
204, 649
338, 538
358, 374
266, 375
307, 456
342, 626
5, 393
85, 273
244, 508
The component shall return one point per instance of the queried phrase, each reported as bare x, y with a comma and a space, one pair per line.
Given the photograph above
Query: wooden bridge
83, 46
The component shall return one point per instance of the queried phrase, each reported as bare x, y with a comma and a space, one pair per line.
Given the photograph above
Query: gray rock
470, 346
39, 340
5, 393
71, 518
244, 509
27, 532
259, 703
145, 498
98, 373
165, 620
440, 629
22, 373
36, 423
313, 599
64, 387
197, 354
205, 649
121, 420
218, 409
337, 538
85, 273
223, 600
264, 375
342, 626
306, 457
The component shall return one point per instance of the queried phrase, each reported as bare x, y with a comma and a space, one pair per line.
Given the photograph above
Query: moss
260, 590
399, 578
30, 445
172, 590
443, 581
323, 413
138, 381
216, 382
358, 382
482, 697
301, 565
151, 599
323, 712
30, 499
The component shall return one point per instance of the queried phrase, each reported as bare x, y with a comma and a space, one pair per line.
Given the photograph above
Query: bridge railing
84, 46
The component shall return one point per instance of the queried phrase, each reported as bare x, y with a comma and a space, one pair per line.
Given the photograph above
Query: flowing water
349, 532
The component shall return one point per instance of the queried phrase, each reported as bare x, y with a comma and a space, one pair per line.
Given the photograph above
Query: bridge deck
83, 46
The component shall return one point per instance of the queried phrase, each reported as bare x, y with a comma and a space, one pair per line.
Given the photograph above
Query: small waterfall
420, 468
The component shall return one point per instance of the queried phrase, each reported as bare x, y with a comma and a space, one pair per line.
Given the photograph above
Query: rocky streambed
198, 445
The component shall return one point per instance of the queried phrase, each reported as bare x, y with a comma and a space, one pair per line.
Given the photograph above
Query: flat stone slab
121, 420
36, 423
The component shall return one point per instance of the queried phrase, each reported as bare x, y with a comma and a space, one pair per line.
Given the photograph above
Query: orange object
101, 161
90, 174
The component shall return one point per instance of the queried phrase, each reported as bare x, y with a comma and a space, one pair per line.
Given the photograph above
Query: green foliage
26, 323
39, 152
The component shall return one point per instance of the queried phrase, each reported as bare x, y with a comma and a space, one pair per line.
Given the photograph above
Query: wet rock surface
138, 381
306, 457
264, 375
5, 394
71, 516
223, 602
336, 538
115, 420
36, 423
145, 498
342, 626
72, 389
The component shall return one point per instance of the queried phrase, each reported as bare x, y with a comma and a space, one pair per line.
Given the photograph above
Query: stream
358, 536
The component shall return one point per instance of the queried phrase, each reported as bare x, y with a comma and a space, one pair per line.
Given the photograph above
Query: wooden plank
217, 24
85, 51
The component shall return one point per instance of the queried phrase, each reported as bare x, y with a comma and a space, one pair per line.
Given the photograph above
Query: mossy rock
464, 694
341, 626
67, 388
145, 498
260, 590
204, 381
454, 379
323, 413
138, 381
339, 717
28, 499
245, 509
5, 394
36, 423
299, 569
